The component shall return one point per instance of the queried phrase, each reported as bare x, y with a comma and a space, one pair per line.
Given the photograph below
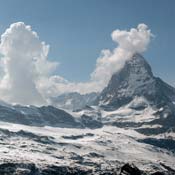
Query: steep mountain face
135, 98
136, 79
73, 100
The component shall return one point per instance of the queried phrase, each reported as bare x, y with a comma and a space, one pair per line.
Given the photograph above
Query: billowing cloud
135, 40
27, 75
23, 63
129, 42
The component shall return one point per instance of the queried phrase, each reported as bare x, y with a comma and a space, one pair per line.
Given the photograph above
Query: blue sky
77, 30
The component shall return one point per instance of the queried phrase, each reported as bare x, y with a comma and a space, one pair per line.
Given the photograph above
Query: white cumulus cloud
136, 40
27, 75
23, 63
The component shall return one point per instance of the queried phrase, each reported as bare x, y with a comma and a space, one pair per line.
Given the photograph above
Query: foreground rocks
130, 169
32, 169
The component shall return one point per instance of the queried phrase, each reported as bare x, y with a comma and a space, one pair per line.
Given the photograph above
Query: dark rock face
90, 122
12, 168
158, 173
128, 82
18, 169
31, 169
168, 144
129, 169
64, 170
78, 136
136, 79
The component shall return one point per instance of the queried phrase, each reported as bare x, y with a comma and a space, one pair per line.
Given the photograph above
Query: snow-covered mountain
73, 100
136, 79
135, 97
127, 129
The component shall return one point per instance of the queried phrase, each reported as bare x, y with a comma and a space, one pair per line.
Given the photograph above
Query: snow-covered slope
92, 151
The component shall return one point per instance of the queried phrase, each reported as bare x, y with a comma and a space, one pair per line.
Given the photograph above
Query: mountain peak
138, 64
134, 79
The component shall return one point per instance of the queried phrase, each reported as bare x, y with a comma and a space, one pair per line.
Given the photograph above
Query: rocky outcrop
32, 169
130, 169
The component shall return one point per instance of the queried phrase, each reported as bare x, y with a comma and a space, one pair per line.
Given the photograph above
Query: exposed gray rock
136, 79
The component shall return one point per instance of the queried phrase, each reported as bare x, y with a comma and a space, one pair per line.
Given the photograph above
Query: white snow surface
111, 143
123, 114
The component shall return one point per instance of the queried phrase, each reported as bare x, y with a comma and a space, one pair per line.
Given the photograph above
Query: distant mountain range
73, 100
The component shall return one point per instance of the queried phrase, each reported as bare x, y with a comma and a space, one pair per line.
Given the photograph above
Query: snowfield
108, 146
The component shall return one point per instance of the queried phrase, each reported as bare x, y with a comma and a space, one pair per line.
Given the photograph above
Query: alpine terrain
127, 129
